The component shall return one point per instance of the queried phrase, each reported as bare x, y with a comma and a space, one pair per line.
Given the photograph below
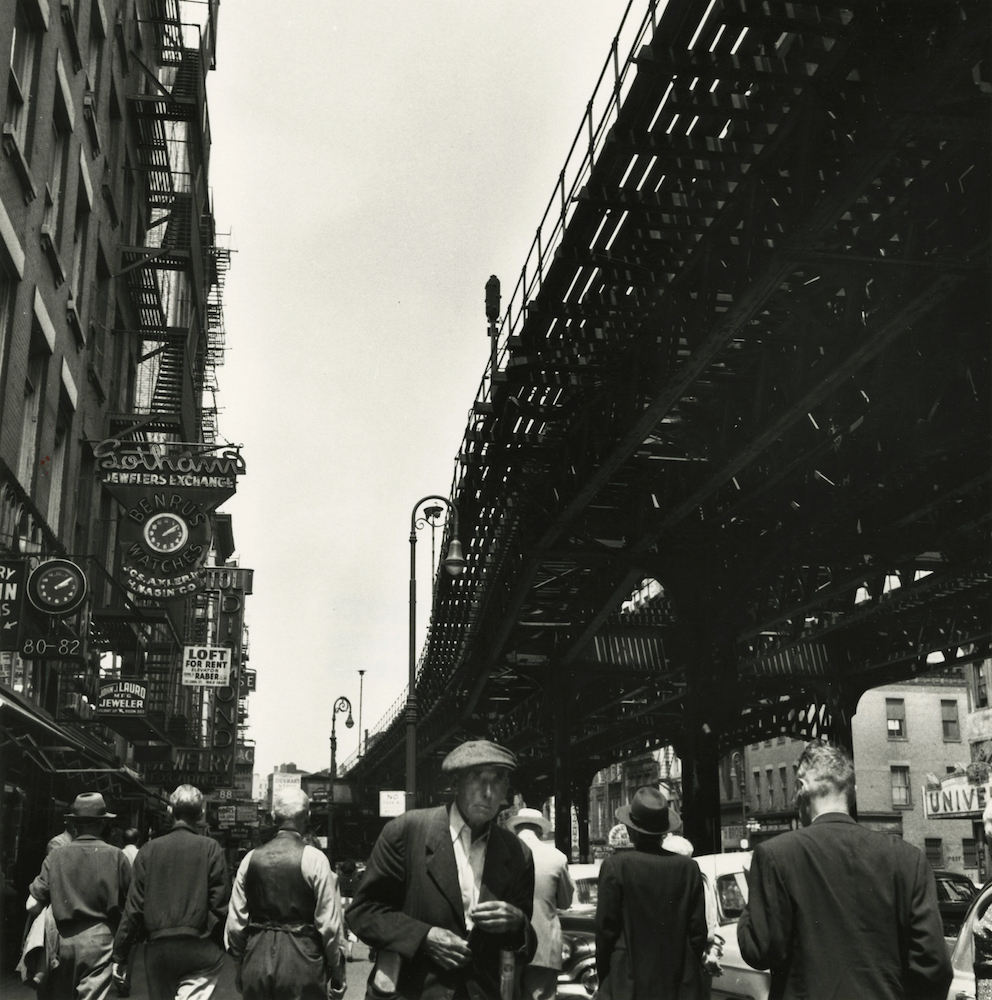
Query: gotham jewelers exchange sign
206, 666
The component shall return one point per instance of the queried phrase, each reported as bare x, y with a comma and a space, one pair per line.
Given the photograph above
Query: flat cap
478, 753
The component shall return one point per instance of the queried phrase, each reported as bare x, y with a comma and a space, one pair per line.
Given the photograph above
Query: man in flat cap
86, 882
447, 894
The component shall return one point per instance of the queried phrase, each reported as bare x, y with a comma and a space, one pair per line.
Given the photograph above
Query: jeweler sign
206, 666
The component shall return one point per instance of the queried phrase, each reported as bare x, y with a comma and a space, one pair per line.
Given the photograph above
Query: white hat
528, 817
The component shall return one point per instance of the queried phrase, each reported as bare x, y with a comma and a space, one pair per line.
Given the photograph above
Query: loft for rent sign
206, 666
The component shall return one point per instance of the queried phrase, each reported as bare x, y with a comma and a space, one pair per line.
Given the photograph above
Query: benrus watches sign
169, 493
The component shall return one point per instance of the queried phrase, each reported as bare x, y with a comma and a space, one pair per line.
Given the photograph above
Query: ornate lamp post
454, 563
737, 768
341, 705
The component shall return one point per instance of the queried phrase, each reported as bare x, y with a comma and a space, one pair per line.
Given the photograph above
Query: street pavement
11, 987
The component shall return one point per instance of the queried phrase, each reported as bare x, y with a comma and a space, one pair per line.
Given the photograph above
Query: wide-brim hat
90, 805
649, 813
528, 817
478, 753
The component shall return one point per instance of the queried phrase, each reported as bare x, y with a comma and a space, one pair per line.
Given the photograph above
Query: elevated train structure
730, 466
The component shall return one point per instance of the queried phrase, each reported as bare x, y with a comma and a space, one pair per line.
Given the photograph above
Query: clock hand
64, 583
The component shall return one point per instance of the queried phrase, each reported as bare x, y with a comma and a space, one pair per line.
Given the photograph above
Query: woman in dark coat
651, 915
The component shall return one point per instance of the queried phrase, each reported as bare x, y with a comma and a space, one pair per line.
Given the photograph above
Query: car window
586, 892
731, 894
953, 890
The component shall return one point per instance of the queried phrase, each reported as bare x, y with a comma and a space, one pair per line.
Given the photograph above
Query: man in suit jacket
445, 889
836, 910
553, 890
650, 914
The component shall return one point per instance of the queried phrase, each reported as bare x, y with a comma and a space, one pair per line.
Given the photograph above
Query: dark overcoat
650, 926
411, 885
837, 910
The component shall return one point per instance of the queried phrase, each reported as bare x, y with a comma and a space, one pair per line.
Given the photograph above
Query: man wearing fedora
553, 890
446, 890
651, 914
86, 882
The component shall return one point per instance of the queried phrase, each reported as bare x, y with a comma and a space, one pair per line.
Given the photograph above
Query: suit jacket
650, 926
411, 885
553, 888
837, 910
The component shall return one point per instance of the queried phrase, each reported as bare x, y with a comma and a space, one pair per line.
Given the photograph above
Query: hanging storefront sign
169, 494
958, 796
123, 698
206, 666
12, 576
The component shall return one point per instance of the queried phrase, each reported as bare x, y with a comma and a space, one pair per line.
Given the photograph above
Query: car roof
715, 865
583, 870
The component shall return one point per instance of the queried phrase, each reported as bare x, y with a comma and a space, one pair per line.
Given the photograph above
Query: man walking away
130, 848
650, 914
285, 927
553, 890
86, 881
178, 897
836, 910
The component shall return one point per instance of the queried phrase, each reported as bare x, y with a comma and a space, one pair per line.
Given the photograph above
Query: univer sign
956, 798
206, 666
122, 698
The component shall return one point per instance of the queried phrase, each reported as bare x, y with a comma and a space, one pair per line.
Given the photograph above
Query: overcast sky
374, 163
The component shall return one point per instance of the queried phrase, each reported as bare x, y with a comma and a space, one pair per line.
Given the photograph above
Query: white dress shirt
470, 858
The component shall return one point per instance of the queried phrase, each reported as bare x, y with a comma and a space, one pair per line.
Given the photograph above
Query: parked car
724, 882
963, 954
955, 893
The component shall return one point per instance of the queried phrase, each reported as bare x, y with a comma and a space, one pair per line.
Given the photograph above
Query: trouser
182, 968
538, 983
83, 971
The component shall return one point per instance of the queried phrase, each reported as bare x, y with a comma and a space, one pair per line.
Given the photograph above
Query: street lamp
341, 705
454, 564
737, 761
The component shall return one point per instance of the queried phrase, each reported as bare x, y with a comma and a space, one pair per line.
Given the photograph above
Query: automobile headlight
576, 946
590, 981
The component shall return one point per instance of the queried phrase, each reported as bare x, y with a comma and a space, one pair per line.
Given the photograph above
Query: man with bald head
178, 900
447, 892
284, 927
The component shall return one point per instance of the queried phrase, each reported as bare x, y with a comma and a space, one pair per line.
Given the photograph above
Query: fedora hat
90, 805
649, 813
528, 817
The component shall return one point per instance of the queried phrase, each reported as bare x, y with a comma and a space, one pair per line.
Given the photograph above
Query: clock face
57, 587
165, 532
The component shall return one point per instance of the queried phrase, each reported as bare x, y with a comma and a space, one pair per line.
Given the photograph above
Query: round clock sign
57, 587
165, 533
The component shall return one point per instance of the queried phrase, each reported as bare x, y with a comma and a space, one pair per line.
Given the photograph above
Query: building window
949, 716
932, 847
771, 788
969, 850
757, 791
783, 781
895, 715
981, 686
768, 743
20, 89
901, 798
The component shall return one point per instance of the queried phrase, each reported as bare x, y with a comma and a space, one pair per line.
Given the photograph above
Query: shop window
901, 797
949, 717
895, 716
934, 850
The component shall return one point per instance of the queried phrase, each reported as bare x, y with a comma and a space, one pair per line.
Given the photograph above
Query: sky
374, 164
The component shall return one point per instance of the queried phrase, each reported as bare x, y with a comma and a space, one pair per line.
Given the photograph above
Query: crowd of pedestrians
456, 906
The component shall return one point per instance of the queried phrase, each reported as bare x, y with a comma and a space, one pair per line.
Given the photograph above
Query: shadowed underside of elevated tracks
747, 358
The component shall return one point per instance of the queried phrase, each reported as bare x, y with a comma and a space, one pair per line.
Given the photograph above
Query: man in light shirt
553, 890
446, 890
284, 925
